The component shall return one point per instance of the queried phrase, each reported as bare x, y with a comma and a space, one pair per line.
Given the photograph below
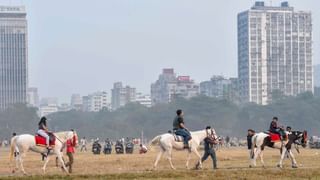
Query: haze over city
80, 47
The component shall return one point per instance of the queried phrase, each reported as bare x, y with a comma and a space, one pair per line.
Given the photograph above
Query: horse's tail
12, 146
253, 145
155, 140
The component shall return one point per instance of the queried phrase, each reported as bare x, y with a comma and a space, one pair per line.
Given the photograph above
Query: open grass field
232, 163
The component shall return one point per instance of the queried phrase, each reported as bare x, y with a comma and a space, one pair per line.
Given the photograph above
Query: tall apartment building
274, 52
317, 75
13, 56
76, 102
33, 97
95, 102
169, 86
122, 95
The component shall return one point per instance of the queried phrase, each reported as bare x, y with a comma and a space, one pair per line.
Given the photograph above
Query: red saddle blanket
274, 137
41, 141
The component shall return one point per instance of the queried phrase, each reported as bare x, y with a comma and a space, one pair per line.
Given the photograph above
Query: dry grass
233, 164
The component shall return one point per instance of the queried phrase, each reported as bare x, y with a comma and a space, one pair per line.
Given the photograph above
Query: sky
82, 46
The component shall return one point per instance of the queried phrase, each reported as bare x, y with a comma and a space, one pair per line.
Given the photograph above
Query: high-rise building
169, 86
33, 97
13, 56
95, 102
122, 95
76, 102
274, 52
317, 75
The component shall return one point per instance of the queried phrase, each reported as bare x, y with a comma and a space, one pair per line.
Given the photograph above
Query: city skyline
106, 40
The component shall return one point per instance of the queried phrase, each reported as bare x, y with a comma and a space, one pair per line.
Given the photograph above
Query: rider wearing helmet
43, 130
180, 129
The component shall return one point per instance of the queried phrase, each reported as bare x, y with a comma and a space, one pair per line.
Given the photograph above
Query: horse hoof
294, 166
250, 166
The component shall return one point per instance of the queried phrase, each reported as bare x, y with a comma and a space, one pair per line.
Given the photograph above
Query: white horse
167, 142
21, 144
260, 140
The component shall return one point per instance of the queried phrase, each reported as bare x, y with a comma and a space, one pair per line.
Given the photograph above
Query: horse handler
70, 145
209, 151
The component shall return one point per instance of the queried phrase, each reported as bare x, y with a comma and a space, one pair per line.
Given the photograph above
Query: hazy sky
80, 46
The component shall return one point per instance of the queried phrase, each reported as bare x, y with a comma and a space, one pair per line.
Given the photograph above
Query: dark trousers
205, 156
185, 134
70, 163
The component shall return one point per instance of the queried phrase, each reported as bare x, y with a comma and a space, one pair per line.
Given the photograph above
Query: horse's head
211, 133
73, 136
300, 138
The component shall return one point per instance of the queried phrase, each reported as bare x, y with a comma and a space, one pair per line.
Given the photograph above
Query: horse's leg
188, 159
45, 165
158, 158
59, 155
261, 158
293, 159
256, 154
169, 157
284, 151
21, 163
199, 156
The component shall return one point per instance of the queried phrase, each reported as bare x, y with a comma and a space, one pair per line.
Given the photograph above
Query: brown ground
232, 163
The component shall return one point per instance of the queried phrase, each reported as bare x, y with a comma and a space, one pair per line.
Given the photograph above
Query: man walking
209, 151
70, 151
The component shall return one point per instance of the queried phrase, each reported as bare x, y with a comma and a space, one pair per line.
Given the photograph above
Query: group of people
179, 128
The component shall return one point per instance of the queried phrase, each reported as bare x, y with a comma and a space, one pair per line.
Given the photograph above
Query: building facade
274, 52
169, 86
95, 102
120, 95
76, 102
317, 75
144, 100
33, 97
13, 56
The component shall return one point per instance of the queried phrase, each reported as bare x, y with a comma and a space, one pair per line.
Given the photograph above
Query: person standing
83, 143
70, 145
209, 151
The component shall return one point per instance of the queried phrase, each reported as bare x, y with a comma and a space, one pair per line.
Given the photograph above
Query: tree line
301, 113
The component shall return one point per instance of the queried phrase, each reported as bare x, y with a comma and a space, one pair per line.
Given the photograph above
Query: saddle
41, 141
177, 138
274, 137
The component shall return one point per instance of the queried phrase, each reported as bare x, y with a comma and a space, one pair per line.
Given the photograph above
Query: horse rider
43, 130
274, 128
209, 150
180, 129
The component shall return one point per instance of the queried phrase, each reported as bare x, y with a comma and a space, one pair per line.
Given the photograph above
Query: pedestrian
209, 151
70, 144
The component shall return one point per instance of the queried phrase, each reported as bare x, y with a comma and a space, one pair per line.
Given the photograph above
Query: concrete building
49, 101
169, 86
121, 95
274, 52
13, 56
76, 102
144, 100
220, 87
95, 102
48, 109
317, 75
33, 97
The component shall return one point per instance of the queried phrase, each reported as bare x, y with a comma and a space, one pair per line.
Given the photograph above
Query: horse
260, 140
21, 144
167, 142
